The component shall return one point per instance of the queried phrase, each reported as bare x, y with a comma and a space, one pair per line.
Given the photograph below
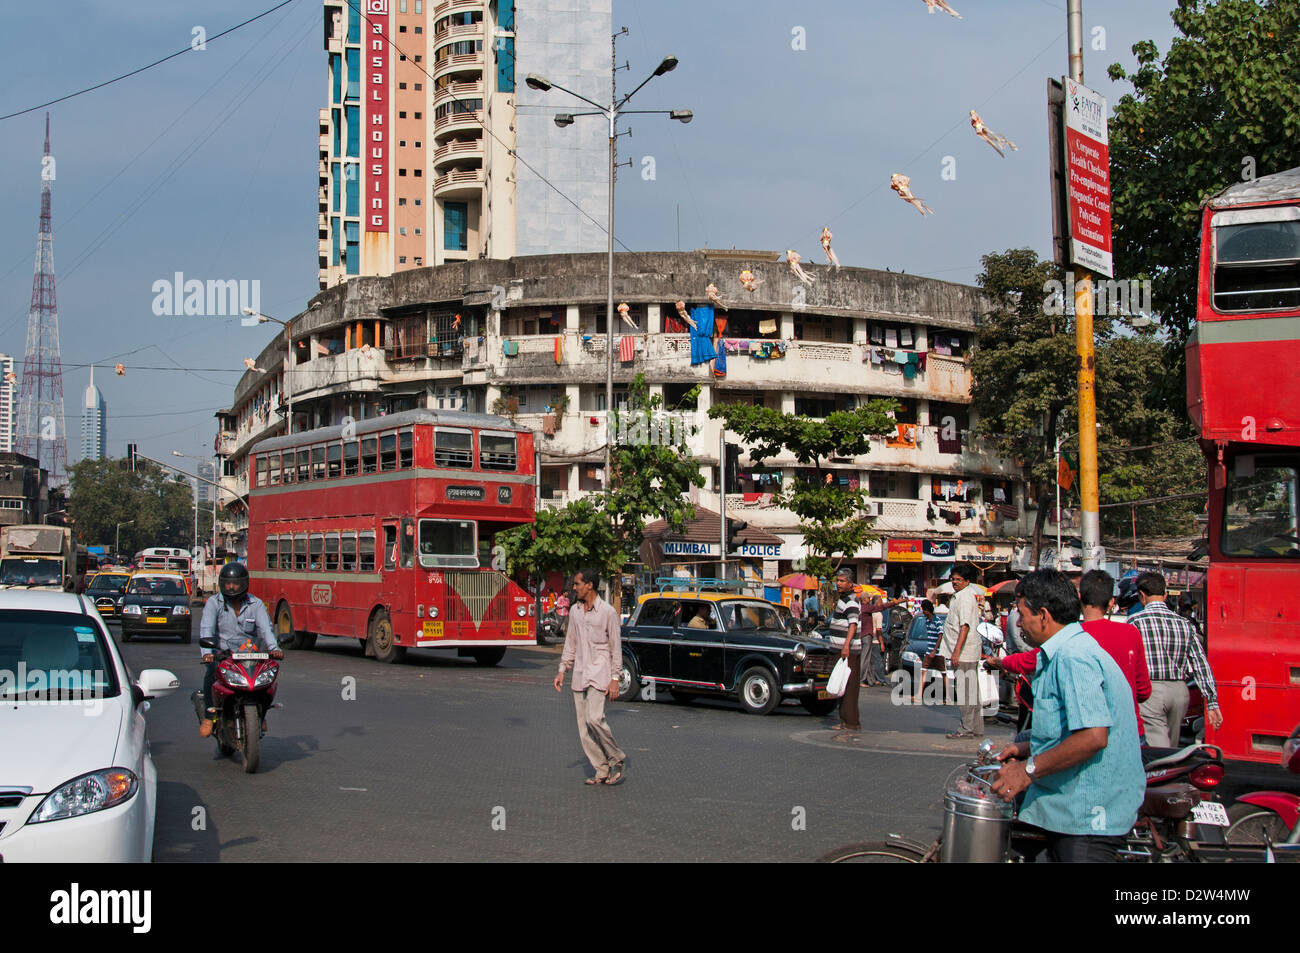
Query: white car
76, 779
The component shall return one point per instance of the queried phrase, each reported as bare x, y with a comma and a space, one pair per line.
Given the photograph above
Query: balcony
558, 501
457, 150
458, 31
819, 367
448, 6
454, 91
452, 184
460, 63
351, 371
454, 122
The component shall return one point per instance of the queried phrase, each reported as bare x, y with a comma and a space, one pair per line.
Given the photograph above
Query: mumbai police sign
690, 549
758, 550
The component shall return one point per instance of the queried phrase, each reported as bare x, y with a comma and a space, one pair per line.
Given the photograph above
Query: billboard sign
1087, 165
375, 134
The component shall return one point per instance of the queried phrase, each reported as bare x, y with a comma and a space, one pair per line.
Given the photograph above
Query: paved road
436, 755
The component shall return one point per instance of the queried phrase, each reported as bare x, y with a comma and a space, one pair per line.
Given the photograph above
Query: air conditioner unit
871, 508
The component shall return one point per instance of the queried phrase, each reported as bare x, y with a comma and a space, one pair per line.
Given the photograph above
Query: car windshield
31, 572
53, 657
751, 615
156, 586
107, 583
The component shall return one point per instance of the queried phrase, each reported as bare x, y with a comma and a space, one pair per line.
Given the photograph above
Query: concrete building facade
8, 404
526, 337
431, 152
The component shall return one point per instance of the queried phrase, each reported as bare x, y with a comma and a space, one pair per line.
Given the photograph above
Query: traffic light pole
722, 502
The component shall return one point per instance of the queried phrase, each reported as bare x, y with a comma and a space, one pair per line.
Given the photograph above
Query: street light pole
288, 350
117, 540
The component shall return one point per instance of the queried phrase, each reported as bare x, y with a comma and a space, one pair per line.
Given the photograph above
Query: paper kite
748, 281
121, 371
826, 246
933, 5
989, 136
902, 185
624, 312
711, 292
248, 363
681, 313
794, 258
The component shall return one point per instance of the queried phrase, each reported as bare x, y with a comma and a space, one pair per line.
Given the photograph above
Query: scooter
550, 631
242, 692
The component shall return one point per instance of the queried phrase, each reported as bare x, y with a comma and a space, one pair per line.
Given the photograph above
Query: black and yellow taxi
156, 603
107, 590
722, 644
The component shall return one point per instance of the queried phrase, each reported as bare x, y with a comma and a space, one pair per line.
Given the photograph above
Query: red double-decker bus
1243, 391
385, 533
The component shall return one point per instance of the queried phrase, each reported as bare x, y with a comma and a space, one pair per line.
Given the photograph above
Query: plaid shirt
1173, 650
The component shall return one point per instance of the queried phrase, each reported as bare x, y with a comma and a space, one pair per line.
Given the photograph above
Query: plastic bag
839, 679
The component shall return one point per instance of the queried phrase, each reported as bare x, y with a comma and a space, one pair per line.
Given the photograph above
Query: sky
207, 164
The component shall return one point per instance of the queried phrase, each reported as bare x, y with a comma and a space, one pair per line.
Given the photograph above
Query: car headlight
87, 794
266, 677
181, 610
131, 610
521, 611
800, 652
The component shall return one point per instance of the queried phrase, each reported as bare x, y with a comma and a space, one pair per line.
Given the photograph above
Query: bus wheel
381, 639
284, 633
490, 656
306, 640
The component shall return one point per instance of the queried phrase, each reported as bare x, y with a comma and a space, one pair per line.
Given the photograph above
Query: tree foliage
158, 511
1221, 105
830, 518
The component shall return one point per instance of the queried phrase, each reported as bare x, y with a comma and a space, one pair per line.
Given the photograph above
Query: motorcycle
1270, 818
551, 630
242, 692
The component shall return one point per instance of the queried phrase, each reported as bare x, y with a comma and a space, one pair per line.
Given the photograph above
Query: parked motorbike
1270, 817
242, 692
551, 630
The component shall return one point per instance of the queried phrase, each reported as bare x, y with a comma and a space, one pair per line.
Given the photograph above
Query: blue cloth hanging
720, 364
702, 350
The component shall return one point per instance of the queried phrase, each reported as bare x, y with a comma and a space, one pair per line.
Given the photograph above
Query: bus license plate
519, 627
156, 618
433, 629
1210, 812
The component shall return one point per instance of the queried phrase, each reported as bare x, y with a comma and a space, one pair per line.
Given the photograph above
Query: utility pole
1089, 494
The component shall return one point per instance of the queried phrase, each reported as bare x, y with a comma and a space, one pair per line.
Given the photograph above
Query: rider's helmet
233, 580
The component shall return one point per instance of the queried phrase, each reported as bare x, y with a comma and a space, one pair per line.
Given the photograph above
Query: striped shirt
848, 611
1173, 650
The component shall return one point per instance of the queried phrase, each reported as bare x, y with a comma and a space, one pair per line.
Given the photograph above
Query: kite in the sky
681, 313
623, 312
248, 363
121, 371
989, 136
933, 5
826, 246
711, 292
793, 257
902, 185
748, 281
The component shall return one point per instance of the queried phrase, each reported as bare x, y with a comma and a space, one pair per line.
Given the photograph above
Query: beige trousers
1162, 713
593, 731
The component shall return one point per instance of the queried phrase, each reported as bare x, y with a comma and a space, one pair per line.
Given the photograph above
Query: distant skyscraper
94, 418
8, 394
40, 419
207, 471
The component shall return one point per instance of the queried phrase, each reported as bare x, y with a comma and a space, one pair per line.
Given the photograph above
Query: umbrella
799, 580
869, 590
1003, 585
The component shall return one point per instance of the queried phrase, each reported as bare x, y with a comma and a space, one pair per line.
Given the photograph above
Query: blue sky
207, 164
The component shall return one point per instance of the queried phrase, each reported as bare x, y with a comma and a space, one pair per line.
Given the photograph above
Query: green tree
1222, 105
157, 510
830, 518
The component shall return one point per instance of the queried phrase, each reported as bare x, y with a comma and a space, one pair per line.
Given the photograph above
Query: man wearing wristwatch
1081, 770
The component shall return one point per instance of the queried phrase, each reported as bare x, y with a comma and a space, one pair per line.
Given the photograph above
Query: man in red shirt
1121, 641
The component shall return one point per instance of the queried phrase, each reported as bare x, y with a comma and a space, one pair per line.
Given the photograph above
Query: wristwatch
1030, 767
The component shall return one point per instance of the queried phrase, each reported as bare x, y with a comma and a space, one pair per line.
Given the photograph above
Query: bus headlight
521, 611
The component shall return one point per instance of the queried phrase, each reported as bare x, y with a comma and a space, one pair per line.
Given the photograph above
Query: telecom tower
40, 419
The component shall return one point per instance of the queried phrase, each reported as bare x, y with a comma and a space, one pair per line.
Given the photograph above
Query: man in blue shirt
234, 616
1081, 769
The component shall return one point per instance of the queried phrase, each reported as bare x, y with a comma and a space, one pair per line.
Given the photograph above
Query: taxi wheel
629, 681
758, 691
381, 639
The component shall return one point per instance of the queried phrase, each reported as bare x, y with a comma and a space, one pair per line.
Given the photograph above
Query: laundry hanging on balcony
627, 349
950, 443
767, 326
702, 350
720, 363
511, 348
559, 348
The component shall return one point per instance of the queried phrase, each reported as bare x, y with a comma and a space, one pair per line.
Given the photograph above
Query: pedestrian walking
961, 637
846, 621
922, 639
1173, 653
796, 606
812, 607
593, 649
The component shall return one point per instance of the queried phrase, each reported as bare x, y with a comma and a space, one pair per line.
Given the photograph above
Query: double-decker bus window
408, 543
453, 448
406, 449
272, 552
304, 468
290, 465
496, 451
387, 452
390, 546
367, 549
449, 543
334, 455
350, 458
1257, 259
300, 552
315, 547
286, 552
261, 470
273, 468
349, 562
318, 462
331, 552
369, 454
1260, 509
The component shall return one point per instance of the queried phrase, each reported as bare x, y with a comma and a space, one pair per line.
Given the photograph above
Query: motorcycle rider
233, 616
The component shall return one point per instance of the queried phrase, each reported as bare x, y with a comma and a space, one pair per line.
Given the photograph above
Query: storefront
754, 555
993, 560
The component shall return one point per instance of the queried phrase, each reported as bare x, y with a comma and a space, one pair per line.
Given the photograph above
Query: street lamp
117, 541
611, 114
288, 346
1059, 441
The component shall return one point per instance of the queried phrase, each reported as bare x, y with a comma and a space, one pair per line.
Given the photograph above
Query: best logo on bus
322, 595
473, 493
